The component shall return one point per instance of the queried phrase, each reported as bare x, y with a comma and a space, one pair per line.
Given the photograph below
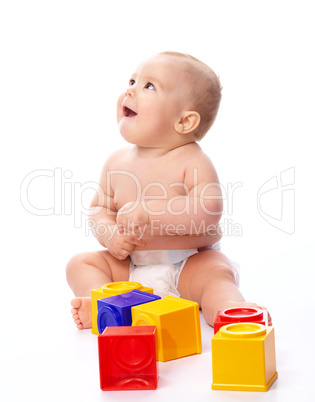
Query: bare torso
132, 177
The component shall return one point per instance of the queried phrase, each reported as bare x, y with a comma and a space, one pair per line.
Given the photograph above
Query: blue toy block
115, 311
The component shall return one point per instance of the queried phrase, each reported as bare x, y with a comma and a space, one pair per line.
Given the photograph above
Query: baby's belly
178, 242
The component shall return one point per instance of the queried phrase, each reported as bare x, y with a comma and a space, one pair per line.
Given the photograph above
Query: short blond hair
205, 90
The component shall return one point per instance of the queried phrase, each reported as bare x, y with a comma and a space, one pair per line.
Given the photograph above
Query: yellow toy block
112, 289
178, 326
244, 358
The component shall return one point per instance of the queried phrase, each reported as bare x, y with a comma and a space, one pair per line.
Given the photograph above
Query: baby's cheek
119, 107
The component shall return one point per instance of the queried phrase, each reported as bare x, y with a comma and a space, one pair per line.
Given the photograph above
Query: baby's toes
79, 324
74, 311
75, 317
76, 303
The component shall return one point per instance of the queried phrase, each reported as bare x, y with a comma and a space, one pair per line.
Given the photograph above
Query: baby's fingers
136, 241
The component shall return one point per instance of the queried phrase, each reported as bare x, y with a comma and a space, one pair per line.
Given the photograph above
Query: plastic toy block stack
234, 315
112, 289
127, 358
137, 329
243, 352
116, 310
178, 326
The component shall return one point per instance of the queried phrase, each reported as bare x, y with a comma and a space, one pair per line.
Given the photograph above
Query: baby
160, 203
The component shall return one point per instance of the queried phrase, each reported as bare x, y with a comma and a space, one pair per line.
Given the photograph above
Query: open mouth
128, 112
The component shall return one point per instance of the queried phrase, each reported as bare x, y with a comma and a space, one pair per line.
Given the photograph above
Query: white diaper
159, 269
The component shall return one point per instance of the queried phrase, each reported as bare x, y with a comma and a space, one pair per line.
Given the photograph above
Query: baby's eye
149, 86
132, 82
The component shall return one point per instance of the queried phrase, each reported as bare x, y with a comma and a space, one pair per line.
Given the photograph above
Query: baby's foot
81, 312
246, 304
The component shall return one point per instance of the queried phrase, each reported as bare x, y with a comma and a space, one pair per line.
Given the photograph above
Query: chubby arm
102, 221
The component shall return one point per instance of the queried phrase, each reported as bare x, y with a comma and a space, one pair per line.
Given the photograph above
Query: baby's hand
133, 218
120, 244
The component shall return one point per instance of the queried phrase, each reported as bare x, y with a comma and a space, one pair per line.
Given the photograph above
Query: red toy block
127, 358
240, 314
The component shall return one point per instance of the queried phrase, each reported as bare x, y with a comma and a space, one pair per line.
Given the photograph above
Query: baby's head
172, 98
202, 87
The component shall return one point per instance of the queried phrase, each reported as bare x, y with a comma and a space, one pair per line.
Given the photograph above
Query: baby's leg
88, 271
208, 278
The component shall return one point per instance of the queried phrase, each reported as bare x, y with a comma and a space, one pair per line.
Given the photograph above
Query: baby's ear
188, 122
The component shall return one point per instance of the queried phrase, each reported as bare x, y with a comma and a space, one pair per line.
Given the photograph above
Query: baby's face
152, 104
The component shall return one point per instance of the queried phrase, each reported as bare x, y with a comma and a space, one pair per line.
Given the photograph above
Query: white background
63, 65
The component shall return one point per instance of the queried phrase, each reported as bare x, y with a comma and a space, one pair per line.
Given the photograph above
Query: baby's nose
130, 91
